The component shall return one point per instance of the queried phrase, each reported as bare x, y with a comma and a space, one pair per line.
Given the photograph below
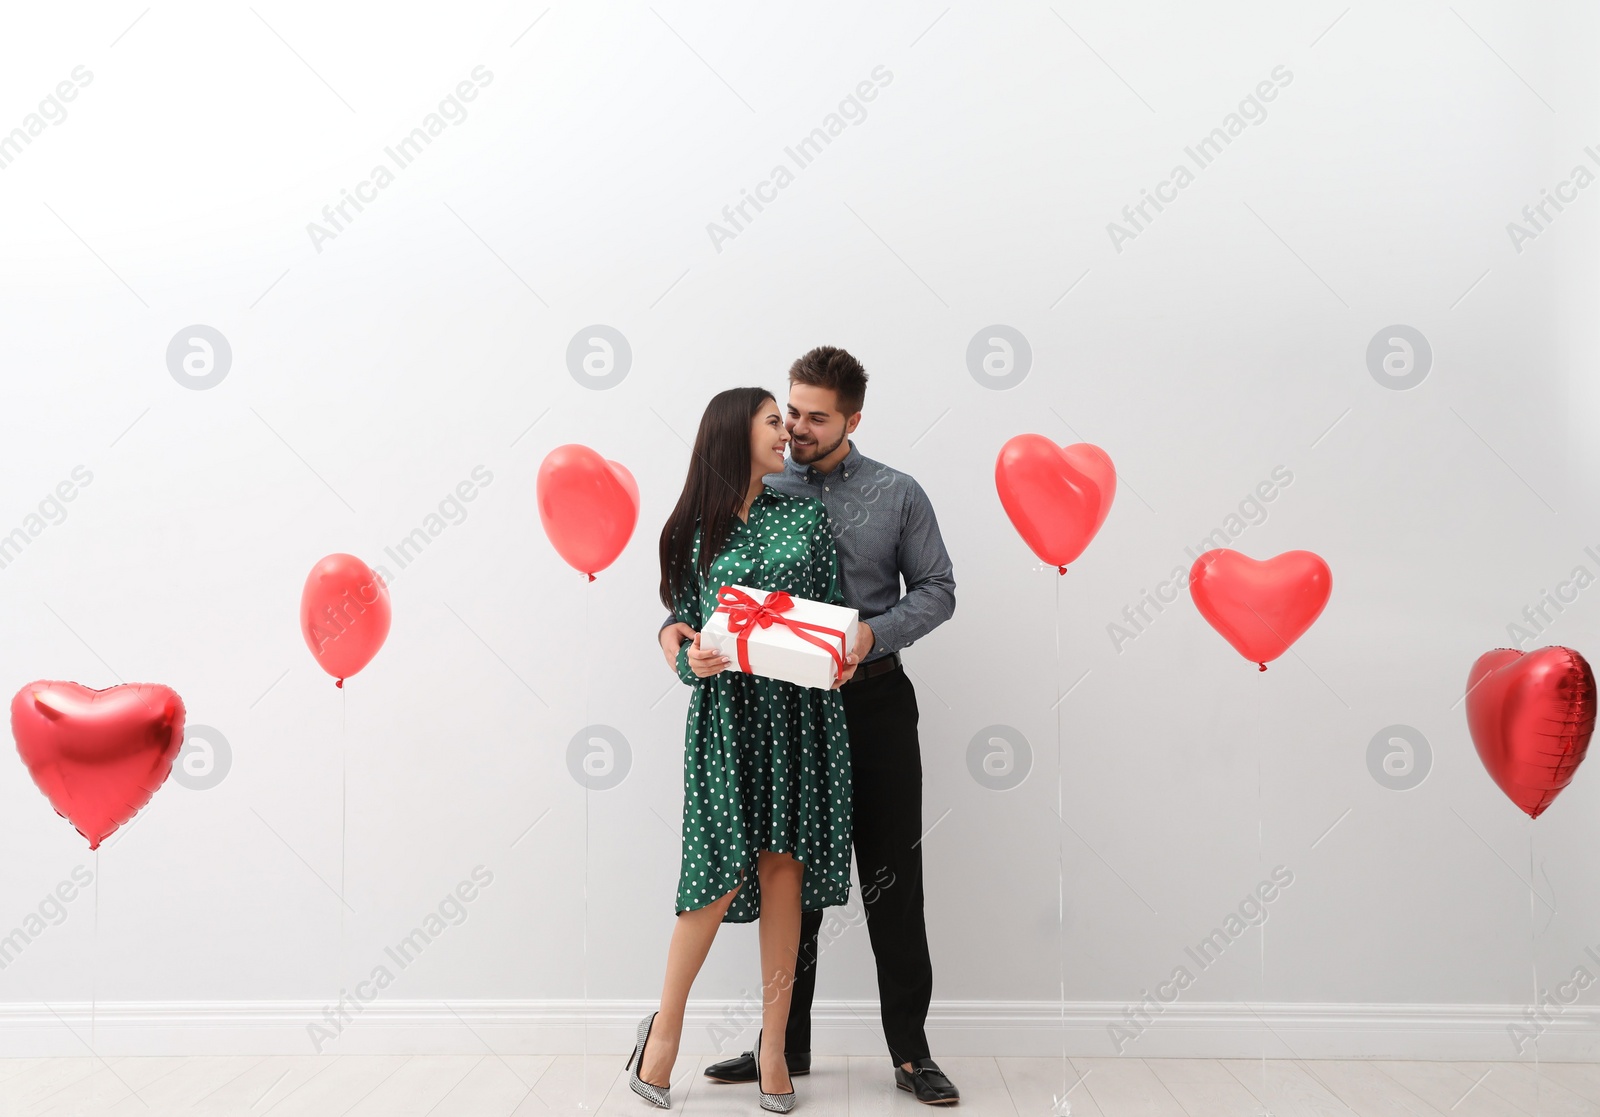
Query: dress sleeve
686, 608
824, 560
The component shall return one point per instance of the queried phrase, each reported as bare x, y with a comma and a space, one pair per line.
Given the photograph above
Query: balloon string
1061, 876
588, 694
94, 965
1533, 958
1261, 861
338, 960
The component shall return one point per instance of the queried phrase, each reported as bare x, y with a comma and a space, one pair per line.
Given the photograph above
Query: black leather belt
873, 668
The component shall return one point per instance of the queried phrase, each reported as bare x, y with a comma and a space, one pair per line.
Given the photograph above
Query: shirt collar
851, 463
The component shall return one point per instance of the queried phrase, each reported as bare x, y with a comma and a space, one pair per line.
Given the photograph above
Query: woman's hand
672, 638
705, 662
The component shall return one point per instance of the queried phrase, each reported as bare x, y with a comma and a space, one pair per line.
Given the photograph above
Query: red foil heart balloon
1057, 496
1260, 607
98, 755
1531, 716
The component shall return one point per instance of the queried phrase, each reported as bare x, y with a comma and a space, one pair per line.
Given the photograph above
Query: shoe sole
941, 1101
751, 1081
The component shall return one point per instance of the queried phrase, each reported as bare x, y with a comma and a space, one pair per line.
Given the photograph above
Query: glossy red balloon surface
1057, 496
588, 506
1531, 716
98, 755
344, 614
1260, 607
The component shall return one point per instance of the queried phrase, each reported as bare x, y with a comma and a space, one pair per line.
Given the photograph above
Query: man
885, 529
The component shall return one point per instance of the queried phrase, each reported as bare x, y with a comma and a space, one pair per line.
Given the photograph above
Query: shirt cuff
885, 634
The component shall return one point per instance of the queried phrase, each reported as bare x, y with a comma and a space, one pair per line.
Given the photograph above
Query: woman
766, 797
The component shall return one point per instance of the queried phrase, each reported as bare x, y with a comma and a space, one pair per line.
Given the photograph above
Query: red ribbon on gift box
746, 614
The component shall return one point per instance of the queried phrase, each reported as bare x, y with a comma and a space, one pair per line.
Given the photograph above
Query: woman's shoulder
809, 506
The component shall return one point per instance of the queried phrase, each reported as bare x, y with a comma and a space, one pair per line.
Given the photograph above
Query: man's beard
795, 447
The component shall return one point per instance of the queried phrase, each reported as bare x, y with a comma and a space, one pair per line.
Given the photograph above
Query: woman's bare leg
692, 936
780, 876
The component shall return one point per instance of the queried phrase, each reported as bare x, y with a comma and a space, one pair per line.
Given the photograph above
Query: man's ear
850, 423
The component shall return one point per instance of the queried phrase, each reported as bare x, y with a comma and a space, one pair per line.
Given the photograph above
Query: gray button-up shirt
885, 530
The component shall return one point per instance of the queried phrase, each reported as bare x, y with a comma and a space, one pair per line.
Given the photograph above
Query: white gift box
777, 650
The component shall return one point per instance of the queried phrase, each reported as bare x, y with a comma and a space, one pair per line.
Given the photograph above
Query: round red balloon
344, 614
1260, 607
588, 506
1531, 716
1057, 496
98, 755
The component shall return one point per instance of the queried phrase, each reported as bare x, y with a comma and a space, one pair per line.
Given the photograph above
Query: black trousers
886, 813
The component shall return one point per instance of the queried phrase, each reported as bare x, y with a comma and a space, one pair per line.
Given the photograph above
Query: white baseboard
1036, 1028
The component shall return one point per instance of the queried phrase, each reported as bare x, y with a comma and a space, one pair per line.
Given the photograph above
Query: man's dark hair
829, 367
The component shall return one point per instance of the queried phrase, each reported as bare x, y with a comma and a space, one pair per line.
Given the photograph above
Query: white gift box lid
778, 651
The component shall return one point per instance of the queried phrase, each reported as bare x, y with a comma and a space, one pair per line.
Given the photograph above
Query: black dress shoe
927, 1082
743, 1067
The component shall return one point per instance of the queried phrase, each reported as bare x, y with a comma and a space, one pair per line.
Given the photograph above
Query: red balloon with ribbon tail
344, 614
1260, 607
1057, 496
1531, 716
98, 755
588, 506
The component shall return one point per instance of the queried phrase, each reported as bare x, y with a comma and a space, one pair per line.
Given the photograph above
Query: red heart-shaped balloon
588, 506
1531, 716
344, 614
1260, 607
1057, 496
98, 755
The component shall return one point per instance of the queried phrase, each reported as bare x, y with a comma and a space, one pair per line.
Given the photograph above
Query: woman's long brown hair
714, 490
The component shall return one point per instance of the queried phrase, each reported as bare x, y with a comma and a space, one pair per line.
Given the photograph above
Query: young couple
779, 779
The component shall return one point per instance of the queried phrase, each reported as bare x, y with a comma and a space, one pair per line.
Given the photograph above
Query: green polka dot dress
766, 764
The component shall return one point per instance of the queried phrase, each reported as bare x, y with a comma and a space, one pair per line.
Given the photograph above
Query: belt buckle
877, 667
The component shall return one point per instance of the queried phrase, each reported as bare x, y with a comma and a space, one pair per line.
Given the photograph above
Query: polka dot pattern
766, 763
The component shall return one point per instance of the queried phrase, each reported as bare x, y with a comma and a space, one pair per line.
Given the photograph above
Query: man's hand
865, 641
705, 662
672, 638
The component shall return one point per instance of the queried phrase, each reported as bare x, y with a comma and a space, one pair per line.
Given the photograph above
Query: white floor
494, 1086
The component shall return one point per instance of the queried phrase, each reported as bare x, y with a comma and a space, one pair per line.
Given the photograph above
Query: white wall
429, 337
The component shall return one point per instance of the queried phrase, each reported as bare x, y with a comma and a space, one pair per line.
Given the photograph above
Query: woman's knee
771, 864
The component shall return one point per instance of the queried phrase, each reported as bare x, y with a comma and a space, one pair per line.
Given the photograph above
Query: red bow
745, 615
